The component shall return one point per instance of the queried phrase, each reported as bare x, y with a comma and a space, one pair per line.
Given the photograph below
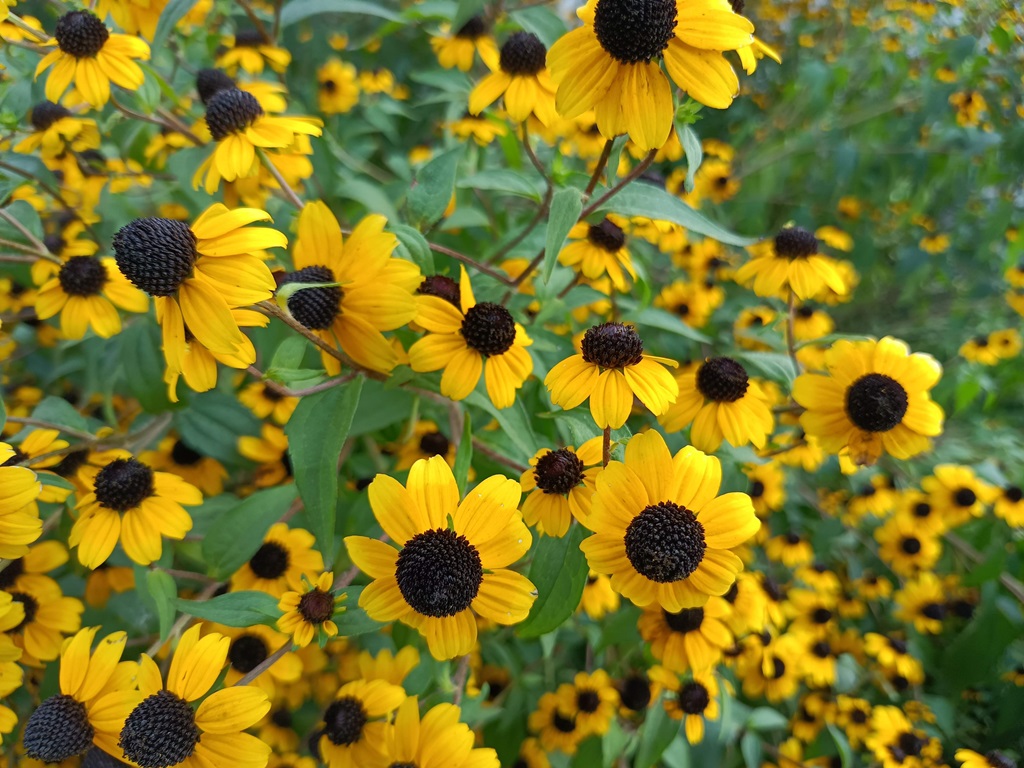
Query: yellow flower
456, 50
599, 249
453, 557
310, 613
521, 77
436, 738
249, 50
689, 639
281, 562
693, 701
89, 56
57, 129
661, 531
131, 503
721, 402
790, 265
198, 274
91, 684
560, 486
874, 399
610, 370
161, 728
19, 516
610, 64
375, 291
470, 340
338, 87
993, 759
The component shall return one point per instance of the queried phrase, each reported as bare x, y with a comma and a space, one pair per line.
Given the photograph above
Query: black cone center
247, 652
58, 729
607, 236
795, 243
80, 34
345, 719
434, 444
722, 379
155, 254
634, 30
558, 471
686, 620
160, 732
523, 54
876, 402
665, 542
231, 110
270, 561
315, 308
612, 345
489, 329
124, 484
439, 573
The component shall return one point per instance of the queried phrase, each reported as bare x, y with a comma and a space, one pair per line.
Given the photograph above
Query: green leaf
464, 456
433, 187
559, 572
514, 422
212, 423
842, 745
417, 246
380, 407
643, 199
59, 411
316, 433
164, 591
658, 732
773, 365
543, 22
566, 207
589, 754
467, 9
288, 356
238, 533
502, 180
297, 10
234, 609
172, 13
353, 620
766, 719
750, 746
694, 153
144, 365
656, 317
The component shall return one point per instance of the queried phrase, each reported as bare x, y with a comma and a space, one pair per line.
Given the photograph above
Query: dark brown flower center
316, 606
795, 243
270, 561
81, 34
434, 444
694, 698
722, 379
489, 329
612, 345
184, 455
439, 573
587, 700
635, 693
911, 545
247, 652
876, 403
665, 542
82, 276
212, 81
608, 236
684, 621
345, 719
558, 471
160, 732
632, 31
472, 29
523, 54
155, 254
58, 730
231, 110
443, 287
46, 113
124, 484
965, 497
315, 308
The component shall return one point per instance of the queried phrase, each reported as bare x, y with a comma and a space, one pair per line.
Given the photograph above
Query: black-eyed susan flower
692, 638
425, 441
270, 451
162, 730
456, 50
874, 399
435, 738
388, 666
767, 487
591, 700
905, 548
481, 130
374, 291
250, 647
45, 618
922, 602
453, 560
56, 129
131, 504
1009, 505
355, 725
970, 106
893, 656
250, 51
266, 401
106, 580
522, 78
690, 302
239, 125
598, 598
86, 291
69, 723
693, 701
895, 743
310, 612
790, 264
560, 484
338, 89
19, 516
957, 493
610, 369
179, 458
812, 612
599, 249
661, 531
993, 759
555, 729
980, 349
471, 340
91, 57
611, 63
199, 273
721, 402
771, 669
